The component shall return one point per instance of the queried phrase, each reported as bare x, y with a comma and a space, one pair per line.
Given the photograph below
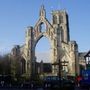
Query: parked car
51, 81
57, 82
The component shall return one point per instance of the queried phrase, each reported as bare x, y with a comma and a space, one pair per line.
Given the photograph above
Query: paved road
76, 88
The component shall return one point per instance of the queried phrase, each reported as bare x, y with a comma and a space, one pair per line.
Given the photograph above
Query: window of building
54, 19
60, 19
42, 27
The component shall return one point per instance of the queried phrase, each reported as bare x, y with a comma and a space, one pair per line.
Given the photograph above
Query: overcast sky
16, 15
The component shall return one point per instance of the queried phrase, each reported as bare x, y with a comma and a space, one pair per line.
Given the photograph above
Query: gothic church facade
62, 48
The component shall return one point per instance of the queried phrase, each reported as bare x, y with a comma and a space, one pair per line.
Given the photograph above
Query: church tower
60, 21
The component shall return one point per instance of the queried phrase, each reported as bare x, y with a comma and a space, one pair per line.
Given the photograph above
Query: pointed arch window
60, 19
42, 27
54, 19
62, 35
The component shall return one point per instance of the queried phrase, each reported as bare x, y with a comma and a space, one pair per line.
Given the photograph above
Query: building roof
87, 54
82, 54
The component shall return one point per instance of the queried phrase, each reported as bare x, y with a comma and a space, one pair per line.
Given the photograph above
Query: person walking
78, 79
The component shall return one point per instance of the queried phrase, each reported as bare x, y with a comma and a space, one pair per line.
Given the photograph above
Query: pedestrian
78, 79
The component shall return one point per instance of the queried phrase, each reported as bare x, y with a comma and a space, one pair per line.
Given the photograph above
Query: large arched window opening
43, 53
42, 50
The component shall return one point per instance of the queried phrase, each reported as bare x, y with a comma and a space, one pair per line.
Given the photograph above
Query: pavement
79, 88
76, 88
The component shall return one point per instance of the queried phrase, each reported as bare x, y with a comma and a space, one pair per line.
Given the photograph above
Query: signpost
60, 64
